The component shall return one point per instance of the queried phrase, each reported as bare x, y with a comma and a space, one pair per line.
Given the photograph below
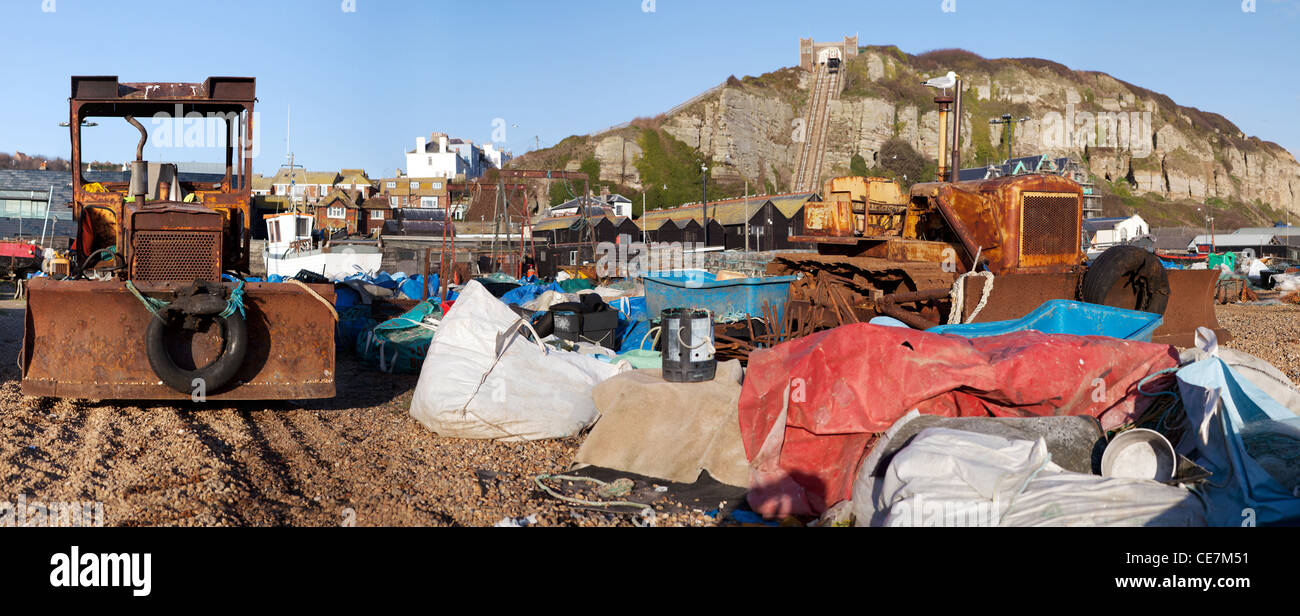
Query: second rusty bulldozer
974, 251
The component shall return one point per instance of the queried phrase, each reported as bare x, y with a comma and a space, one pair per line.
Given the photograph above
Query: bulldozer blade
1191, 301
86, 339
1191, 305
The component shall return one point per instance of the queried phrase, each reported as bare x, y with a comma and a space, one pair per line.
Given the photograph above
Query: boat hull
332, 265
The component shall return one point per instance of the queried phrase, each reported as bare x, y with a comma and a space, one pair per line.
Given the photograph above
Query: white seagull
943, 83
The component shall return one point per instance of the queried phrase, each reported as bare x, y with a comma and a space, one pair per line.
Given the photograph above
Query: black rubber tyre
234, 334
1131, 269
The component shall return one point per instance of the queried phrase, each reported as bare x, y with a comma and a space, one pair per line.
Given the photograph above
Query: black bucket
687, 345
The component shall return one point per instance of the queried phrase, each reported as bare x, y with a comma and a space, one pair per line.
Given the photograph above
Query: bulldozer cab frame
100, 214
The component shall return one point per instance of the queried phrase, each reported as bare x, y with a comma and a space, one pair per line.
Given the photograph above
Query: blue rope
235, 303
1152, 376
151, 304
154, 306
1164, 417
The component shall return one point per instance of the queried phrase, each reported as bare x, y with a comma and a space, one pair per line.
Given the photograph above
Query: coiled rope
958, 295
620, 487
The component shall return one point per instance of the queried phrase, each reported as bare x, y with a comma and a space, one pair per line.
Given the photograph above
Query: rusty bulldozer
974, 251
155, 305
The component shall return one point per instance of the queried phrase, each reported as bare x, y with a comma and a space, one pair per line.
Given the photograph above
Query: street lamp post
1209, 229
1009, 126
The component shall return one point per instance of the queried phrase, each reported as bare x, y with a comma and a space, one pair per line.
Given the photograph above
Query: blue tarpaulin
527, 293
633, 324
1235, 427
398, 345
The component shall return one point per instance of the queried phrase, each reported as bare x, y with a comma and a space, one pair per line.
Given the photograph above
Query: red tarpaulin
846, 384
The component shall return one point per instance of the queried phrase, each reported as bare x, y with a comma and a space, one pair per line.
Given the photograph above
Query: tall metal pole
955, 160
49, 202
1011, 136
704, 202
1207, 229
747, 214
582, 209
1212, 234
496, 220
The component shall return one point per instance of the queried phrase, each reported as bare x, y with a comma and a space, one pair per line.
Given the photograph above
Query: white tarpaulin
482, 378
948, 477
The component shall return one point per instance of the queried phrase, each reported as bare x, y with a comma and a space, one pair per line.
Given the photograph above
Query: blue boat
1062, 316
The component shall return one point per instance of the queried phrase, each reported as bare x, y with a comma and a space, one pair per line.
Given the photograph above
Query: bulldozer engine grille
1049, 224
177, 256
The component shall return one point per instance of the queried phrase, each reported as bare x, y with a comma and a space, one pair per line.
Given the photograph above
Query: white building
498, 158
1102, 233
622, 205
443, 156
605, 205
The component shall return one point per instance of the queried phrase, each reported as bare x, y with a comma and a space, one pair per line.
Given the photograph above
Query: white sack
483, 379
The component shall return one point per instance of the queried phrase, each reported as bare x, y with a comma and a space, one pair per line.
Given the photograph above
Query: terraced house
352, 211
303, 186
414, 192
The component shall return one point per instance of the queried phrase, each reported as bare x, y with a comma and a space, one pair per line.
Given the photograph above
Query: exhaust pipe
139, 167
945, 105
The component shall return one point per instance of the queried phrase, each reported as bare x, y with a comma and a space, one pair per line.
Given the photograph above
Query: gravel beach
358, 459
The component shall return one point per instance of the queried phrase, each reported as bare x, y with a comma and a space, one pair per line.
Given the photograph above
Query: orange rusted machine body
881, 251
154, 237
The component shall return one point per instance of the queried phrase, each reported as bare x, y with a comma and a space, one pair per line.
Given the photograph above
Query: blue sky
363, 84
